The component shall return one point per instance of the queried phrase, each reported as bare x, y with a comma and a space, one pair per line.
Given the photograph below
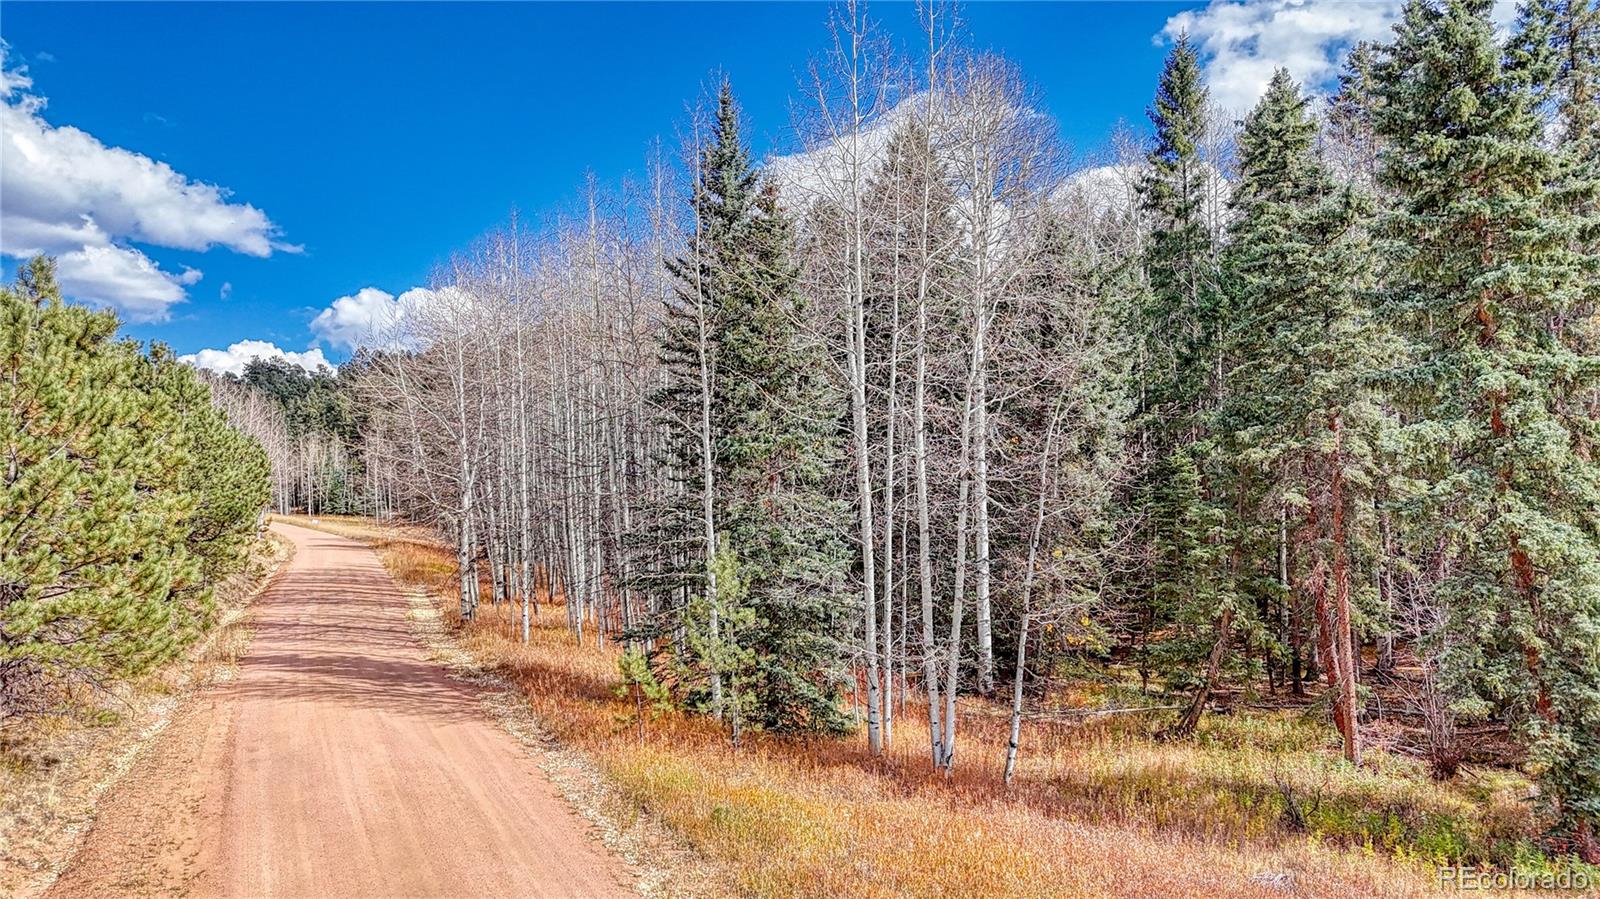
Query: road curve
339, 762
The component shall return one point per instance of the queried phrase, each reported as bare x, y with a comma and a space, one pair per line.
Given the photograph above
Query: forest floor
53, 775
1259, 803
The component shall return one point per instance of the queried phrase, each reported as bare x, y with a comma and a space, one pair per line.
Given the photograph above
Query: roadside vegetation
1240, 483
1255, 804
127, 498
53, 774
922, 510
129, 517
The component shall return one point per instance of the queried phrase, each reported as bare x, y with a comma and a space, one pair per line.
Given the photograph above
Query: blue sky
371, 140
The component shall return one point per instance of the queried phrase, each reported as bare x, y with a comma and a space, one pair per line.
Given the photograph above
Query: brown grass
1099, 808
52, 775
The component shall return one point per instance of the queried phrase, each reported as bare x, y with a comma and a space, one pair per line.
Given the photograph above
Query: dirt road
339, 762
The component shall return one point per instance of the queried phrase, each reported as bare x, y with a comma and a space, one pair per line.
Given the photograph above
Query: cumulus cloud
368, 316
145, 292
65, 193
1243, 41
1102, 188
233, 359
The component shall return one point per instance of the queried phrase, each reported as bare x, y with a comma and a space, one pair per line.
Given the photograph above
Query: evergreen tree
125, 497
228, 472
734, 342
776, 418
1301, 348
1557, 49
1180, 258
1480, 272
1180, 319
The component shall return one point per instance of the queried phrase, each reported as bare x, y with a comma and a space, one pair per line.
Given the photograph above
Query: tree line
1278, 405
127, 498
310, 427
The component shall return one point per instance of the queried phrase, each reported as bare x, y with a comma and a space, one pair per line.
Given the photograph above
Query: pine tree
741, 370
776, 421
1180, 318
1301, 347
1180, 258
125, 496
1557, 49
1480, 273
228, 472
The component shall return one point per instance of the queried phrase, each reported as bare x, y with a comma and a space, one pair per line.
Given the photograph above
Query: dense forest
310, 429
1298, 407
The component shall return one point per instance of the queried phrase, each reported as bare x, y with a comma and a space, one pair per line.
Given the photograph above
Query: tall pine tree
1301, 347
736, 345
1193, 598
125, 497
1480, 273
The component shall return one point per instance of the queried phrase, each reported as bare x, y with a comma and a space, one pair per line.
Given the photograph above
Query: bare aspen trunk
1045, 463
1016, 688
981, 503
930, 658
466, 569
858, 402
958, 600
708, 480
888, 521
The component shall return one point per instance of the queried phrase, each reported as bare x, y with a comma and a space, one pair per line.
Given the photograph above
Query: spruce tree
1180, 317
776, 417
734, 342
1480, 273
1180, 257
1557, 49
1301, 347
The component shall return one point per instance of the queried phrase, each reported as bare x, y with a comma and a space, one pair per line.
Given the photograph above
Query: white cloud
1102, 188
65, 193
368, 316
233, 359
226, 290
144, 292
824, 170
1244, 41
12, 80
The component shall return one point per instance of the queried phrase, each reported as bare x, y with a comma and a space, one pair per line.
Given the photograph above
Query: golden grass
1098, 808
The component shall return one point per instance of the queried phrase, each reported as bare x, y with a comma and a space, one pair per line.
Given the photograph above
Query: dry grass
1099, 808
52, 776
